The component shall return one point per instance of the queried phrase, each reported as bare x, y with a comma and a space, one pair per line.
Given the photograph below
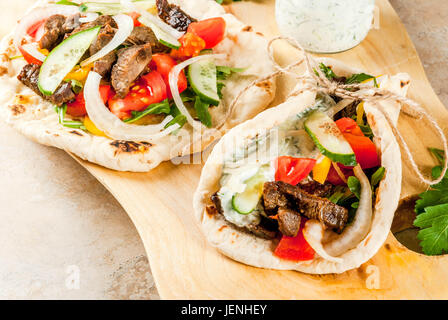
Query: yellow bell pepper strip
321, 169
79, 74
91, 127
360, 114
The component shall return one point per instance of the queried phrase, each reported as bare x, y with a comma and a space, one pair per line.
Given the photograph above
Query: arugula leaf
438, 154
220, 87
61, 111
377, 176
68, 3
202, 112
327, 71
179, 118
358, 78
224, 72
156, 108
355, 186
434, 229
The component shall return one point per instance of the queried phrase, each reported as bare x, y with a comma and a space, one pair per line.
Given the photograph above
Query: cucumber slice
113, 8
247, 201
63, 59
329, 139
163, 37
203, 76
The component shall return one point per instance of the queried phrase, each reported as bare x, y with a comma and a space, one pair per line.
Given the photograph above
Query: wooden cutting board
186, 267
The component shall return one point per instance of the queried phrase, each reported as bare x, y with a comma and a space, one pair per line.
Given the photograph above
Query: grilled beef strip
54, 32
71, 23
267, 229
315, 188
100, 21
173, 15
104, 65
288, 221
279, 194
29, 76
132, 62
142, 35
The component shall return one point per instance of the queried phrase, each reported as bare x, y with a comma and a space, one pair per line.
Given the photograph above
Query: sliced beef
217, 202
104, 20
173, 15
288, 221
315, 188
142, 35
104, 65
54, 32
71, 23
275, 194
132, 62
29, 76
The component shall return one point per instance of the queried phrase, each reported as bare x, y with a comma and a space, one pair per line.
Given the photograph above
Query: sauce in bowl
325, 26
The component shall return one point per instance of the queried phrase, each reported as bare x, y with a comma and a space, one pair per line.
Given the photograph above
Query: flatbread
35, 118
249, 249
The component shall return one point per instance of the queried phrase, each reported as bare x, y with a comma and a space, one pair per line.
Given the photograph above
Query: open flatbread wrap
254, 238
35, 117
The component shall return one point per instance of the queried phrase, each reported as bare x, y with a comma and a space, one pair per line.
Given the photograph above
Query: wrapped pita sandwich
129, 84
310, 185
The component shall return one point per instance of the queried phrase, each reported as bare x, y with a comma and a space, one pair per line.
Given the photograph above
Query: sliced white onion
314, 233
111, 125
335, 244
154, 19
125, 26
174, 79
39, 14
89, 17
359, 228
31, 49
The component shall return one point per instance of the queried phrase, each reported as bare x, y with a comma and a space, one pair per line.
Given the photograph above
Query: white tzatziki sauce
325, 26
257, 158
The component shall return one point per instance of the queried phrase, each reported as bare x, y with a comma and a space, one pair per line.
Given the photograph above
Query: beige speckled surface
57, 220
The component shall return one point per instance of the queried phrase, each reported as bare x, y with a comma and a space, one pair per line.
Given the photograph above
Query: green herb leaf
439, 154
66, 2
61, 111
377, 176
224, 72
327, 71
434, 233
358, 78
179, 118
355, 186
202, 112
77, 86
156, 108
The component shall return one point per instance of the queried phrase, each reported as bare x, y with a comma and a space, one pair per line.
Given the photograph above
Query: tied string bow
315, 80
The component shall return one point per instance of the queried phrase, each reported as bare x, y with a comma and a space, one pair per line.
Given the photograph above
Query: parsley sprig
432, 213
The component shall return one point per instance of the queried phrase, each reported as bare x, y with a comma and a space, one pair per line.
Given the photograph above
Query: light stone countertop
59, 225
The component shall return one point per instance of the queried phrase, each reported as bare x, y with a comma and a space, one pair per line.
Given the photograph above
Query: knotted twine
315, 80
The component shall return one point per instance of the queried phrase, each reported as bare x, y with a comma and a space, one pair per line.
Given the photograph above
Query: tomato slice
364, 148
32, 31
191, 46
212, 31
164, 63
135, 15
293, 170
77, 108
295, 248
29, 58
334, 178
147, 90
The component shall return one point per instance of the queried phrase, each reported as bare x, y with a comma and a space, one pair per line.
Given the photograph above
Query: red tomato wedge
293, 170
295, 248
147, 90
334, 178
364, 148
191, 46
77, 108
135, 16
32, 31
163, 63
29, 58
212, 31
